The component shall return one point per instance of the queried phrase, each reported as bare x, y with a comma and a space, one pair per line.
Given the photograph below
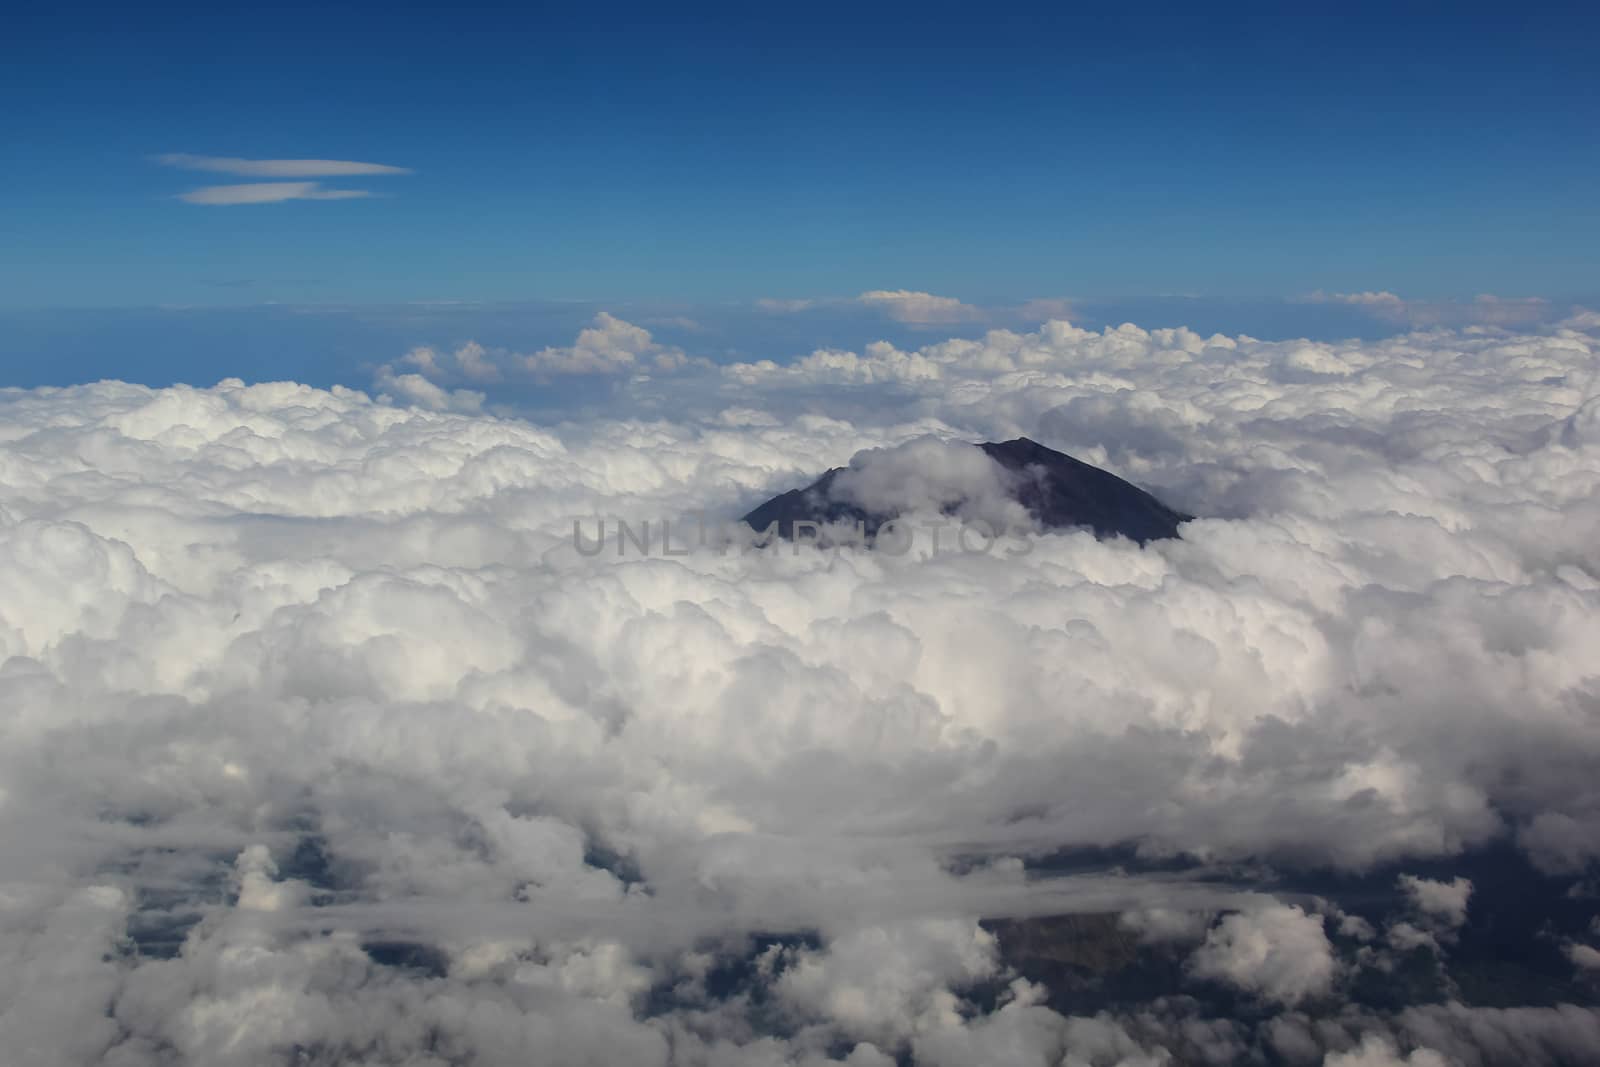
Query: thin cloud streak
276, 168
268, 193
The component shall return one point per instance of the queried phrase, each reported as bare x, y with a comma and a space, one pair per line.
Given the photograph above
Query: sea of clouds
321, 742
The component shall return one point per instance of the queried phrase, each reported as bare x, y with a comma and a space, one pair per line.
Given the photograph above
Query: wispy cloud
1044, 309
905, 305
774, 306
268, 193
1379, 299
1485, 309
275, 191
902, 305
276, 168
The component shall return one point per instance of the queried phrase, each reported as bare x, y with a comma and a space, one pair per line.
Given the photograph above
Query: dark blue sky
802, 151
985, 152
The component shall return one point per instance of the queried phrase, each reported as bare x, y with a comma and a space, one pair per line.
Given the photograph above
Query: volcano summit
1001, 484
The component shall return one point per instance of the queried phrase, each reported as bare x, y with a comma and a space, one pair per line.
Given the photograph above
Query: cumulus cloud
321, 738
1443, 902
1277, 951
276, 168
610, 347
475, 363
886, 983
417, 390
1584, 956
1378, 1051
470, 361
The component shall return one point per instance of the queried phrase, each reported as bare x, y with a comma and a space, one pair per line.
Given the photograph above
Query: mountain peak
1056, 490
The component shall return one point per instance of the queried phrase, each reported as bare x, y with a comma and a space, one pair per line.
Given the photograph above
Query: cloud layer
323, 743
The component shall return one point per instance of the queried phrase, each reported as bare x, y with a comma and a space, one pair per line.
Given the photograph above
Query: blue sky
989, 153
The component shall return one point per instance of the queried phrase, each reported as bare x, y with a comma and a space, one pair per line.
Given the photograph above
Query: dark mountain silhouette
1059, 491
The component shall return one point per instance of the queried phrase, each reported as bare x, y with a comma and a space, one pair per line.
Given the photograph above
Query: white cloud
1378, 1051
274, 191
475, 363
1581, 319
1585, 956
1155, 925
277, 168
916, 308
932, 477
1443, 902
286, 671
885, 983
416, 390
904, 305
268, 193
470, 361
1378, 299
611, 346
1276, 950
